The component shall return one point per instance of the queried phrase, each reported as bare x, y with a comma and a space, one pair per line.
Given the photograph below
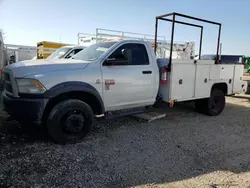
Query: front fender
73, 86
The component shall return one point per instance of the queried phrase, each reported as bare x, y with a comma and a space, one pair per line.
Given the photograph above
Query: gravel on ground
184, 149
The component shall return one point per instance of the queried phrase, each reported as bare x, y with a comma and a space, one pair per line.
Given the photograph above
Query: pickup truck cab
110, 78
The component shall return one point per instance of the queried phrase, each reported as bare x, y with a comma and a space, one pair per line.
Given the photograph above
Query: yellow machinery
45, 48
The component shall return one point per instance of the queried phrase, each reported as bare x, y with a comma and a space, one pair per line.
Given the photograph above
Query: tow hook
8, 119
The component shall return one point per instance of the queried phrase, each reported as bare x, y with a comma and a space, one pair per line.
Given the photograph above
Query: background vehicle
109, 79
45, 48
65, 52
18, 53
225, 59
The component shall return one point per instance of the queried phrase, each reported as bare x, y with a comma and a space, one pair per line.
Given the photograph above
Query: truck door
128, 77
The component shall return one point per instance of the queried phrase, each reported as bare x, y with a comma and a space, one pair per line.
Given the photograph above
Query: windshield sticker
102, 49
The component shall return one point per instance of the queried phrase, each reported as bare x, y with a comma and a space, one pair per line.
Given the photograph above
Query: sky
26, 22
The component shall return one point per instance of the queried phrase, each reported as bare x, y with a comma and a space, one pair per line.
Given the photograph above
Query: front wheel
70, 121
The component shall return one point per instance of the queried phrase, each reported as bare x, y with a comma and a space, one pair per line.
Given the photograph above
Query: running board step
150, 116
116, 114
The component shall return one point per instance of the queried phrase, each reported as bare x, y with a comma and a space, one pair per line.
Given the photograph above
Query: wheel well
88, 98
221, 86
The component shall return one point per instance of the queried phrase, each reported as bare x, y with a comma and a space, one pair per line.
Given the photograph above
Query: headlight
27, 85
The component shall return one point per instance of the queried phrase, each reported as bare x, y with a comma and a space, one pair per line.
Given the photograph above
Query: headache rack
106, 35
173, 20
102, 35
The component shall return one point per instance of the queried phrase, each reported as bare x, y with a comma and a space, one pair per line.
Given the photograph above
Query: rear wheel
212, 106
25, 124
216, 103
200, 105
248, 89
70, 121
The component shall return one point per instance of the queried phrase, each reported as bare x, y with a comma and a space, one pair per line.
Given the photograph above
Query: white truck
113, 78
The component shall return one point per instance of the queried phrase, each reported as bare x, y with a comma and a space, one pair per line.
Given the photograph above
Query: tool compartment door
202, 84
237, 79
182, 80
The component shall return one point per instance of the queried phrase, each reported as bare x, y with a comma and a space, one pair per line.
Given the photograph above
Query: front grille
7, 76
8, 84
2, 83
8, 87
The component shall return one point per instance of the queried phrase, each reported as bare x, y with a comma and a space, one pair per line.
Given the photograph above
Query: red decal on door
109, 82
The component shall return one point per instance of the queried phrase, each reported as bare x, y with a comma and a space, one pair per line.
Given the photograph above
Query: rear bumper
24, 109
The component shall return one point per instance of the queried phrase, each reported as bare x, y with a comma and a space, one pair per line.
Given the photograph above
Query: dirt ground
184, 149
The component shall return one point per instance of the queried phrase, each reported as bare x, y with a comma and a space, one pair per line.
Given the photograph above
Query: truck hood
29, 67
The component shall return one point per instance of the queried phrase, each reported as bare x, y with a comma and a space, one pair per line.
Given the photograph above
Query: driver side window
130, 54
120, 55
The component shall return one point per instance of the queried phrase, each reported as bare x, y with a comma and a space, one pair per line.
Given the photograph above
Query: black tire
248, 89
200, 105
70, 121
25, 124
216, 103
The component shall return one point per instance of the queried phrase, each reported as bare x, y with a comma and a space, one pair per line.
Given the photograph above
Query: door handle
147, 72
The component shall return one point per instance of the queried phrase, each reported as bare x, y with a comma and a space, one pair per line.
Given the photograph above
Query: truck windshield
94, 51
59, 53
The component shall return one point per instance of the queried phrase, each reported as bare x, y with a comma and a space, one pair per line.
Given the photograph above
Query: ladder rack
102, 35
163, 46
